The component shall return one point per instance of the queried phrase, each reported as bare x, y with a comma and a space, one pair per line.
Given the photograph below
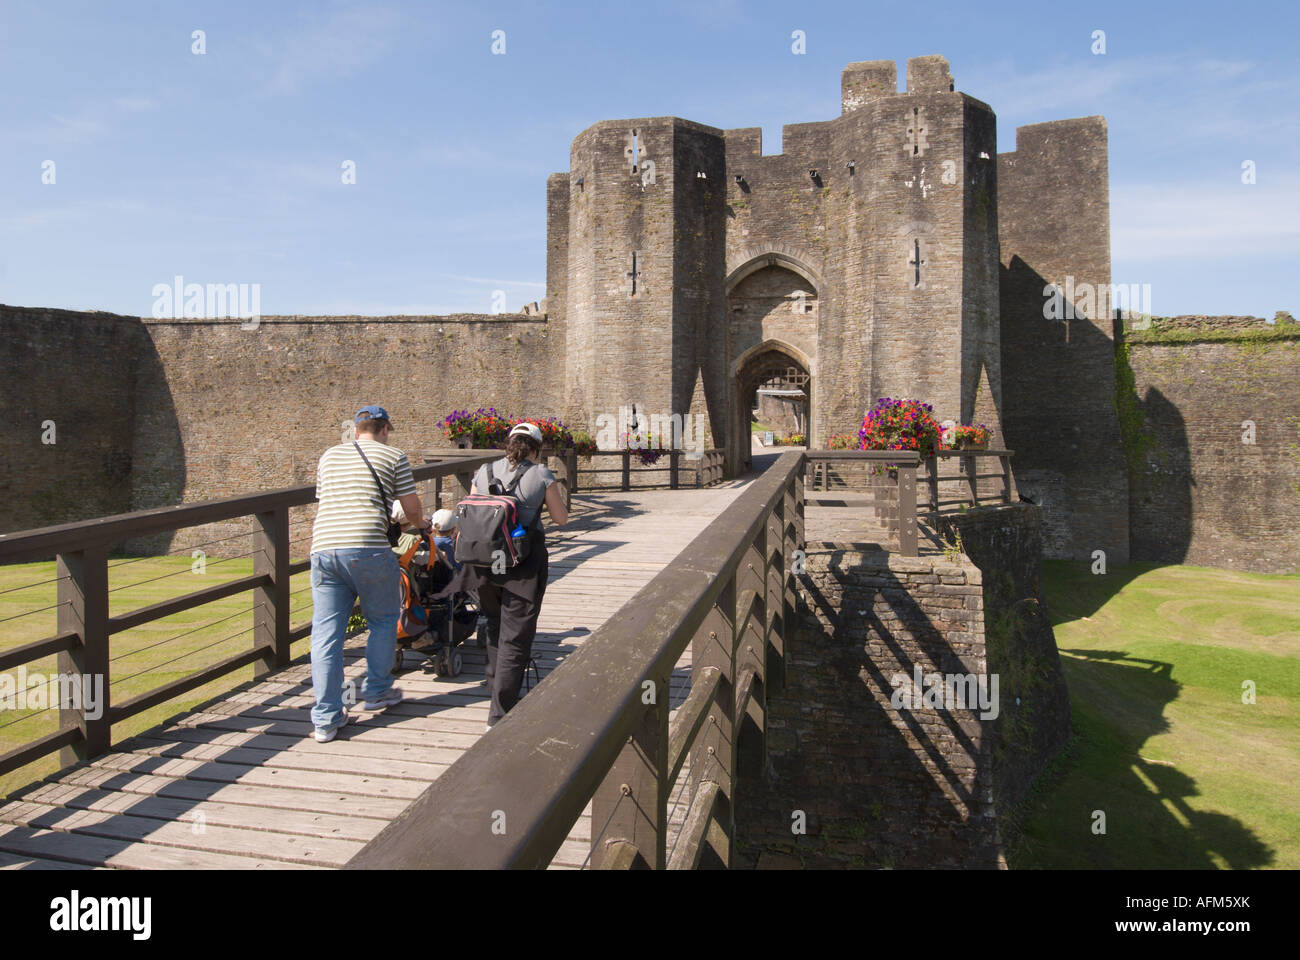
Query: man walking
351, 559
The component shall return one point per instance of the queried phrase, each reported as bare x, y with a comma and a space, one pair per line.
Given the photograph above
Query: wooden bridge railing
598, 729
85, 626
820, 462
968, 466
702, 471
896, 497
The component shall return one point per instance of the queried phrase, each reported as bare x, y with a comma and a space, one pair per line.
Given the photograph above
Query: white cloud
78, 128
498, 283
1205, 220
340, 44
136, 104
1180, 98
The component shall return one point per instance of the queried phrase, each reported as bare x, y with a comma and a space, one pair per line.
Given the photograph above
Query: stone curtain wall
256, 408
879, 787
153, 413
1200, 494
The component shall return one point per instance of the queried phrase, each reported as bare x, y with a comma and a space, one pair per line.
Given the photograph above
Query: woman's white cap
444, 519
528, 430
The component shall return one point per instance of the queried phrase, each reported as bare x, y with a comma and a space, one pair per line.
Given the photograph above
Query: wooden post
713, 755
751, 653
633, 797
907, 511
627, 468
83, 608
783, 603
1006, 478
673, 457
460, 487
932, 465
968, 464
271, 602
571, 468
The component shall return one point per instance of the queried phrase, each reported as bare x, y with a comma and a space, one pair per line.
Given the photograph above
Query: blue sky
226, 167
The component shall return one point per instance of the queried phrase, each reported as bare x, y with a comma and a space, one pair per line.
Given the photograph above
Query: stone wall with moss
1033, 723
1210, 417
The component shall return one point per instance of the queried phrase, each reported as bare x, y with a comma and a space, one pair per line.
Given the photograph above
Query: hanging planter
968, 437
639, 444
904, 424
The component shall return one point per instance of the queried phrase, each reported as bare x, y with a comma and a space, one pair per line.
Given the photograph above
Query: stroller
433, 628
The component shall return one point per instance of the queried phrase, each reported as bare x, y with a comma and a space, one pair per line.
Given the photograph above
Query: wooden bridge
666, 609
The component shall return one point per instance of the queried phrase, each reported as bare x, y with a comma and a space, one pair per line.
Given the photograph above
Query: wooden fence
85, 628
683, 470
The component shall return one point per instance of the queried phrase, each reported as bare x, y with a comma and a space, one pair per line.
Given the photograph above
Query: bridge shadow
1104, 782
880, 786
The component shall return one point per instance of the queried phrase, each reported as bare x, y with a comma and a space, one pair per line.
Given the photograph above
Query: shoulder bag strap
388, 514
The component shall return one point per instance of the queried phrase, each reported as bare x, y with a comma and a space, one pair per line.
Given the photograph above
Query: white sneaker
326, 734
387, 700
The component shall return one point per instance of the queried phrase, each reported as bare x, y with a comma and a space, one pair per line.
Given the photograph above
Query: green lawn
1186, 774
142, 658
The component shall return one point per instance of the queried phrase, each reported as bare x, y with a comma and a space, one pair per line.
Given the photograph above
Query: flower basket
584, 444
901, 424
968, 437
639, 444
487, 428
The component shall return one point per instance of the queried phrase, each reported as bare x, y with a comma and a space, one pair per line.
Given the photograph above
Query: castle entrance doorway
773, 393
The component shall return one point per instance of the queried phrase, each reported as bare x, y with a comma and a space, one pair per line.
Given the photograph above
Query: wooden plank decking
242, 784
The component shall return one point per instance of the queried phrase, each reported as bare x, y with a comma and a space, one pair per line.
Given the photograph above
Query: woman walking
512, 600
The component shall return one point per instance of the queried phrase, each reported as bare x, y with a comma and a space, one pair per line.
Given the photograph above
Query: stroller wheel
397, 659
456, 664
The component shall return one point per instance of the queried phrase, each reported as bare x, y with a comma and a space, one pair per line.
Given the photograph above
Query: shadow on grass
1075, 592
1118, 704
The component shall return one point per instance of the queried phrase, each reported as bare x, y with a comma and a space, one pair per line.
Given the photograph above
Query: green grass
145, 657
1186, 773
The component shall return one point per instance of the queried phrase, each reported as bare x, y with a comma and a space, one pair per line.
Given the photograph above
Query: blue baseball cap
372, 412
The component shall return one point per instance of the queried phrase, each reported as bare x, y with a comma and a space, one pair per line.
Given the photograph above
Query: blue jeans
338, 579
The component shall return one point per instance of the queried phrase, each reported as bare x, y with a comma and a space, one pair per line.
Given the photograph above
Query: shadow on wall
1059, 416
1160, 475
93, 428
159, 476
878, 786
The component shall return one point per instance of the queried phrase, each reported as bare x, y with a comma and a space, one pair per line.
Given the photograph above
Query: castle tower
919, 233
866, 253
642, 262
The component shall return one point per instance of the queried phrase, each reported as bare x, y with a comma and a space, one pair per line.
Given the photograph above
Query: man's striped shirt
351, 513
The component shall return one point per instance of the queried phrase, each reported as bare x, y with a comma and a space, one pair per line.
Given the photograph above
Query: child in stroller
429, 625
